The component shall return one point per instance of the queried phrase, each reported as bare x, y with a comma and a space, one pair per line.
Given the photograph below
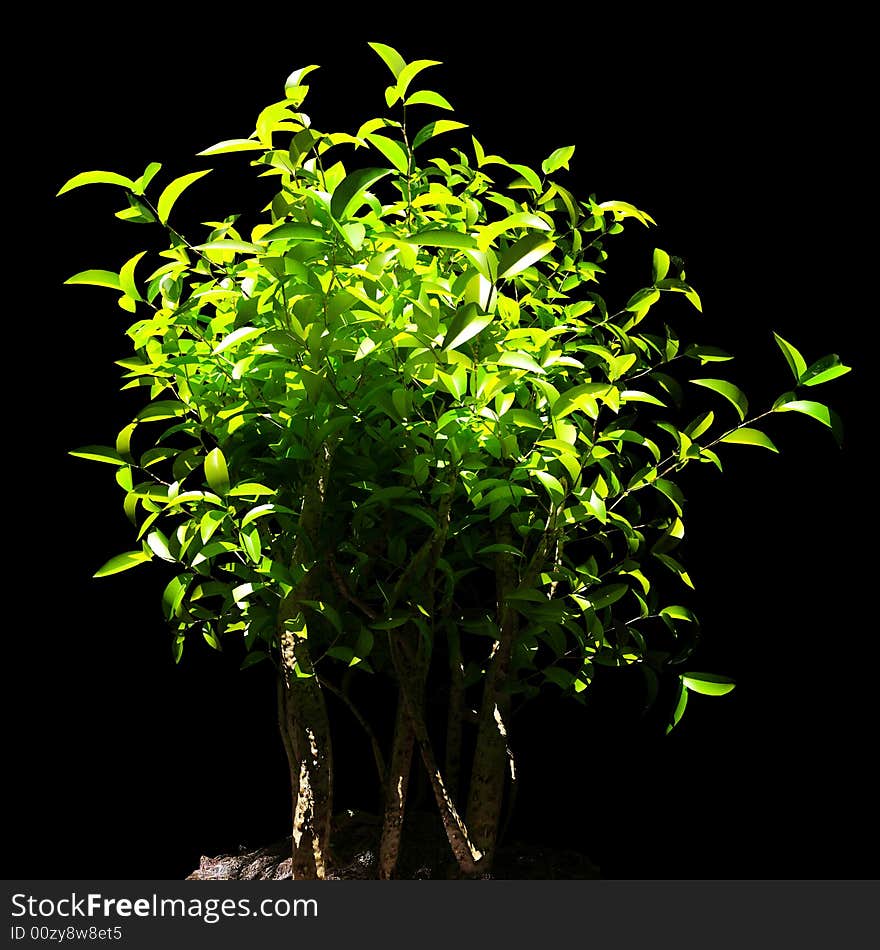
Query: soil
424, 856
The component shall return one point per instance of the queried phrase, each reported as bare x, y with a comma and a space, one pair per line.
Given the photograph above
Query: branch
378, 758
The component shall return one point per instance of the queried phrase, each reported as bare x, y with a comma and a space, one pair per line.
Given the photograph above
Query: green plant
396, 427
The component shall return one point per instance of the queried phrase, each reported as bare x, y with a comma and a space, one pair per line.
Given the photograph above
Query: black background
747, 143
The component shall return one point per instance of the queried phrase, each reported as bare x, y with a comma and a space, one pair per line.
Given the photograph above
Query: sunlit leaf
349, 194
558, 159
98, 278
730, 392
824, 370
814, 409
525, 252
410, 71
436, 128
95, 178
680, 707
99, 453
466, 324
392, 59
795, 361
748, 436
660, 264
233, 145
238, 336
428, 98
393, 150
709, 684
122, 562
173, 191
442, 237
216, 471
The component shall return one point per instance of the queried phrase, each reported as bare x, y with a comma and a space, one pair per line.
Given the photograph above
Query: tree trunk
306, 729
311, 775
455, 713
491, 755
464, 851
396, 790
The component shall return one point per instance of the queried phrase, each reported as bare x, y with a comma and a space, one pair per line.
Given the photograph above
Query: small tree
396, 428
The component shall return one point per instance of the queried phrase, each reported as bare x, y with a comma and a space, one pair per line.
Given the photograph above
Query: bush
396, 428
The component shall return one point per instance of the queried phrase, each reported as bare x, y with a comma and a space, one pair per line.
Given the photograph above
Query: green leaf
552, 484
233, 145
623, 209
678, 712
747, 436
216, 471
294, 231
122, 562
558, 159
250, 490
606, 595
126, 277
123, 441
428, 98
677, 612
522, 219
675, 567
294, 80
642, 299
660, 264
349, 194
172, 596
455, 382
252, 545
99, 453
161, 409
436, 128
595, 504
709, 684
98, 278
173, 191
707, 354
392, 623
95, 178
420, 514
237, 336
410, 71
636, 395
259, 511
393, 150
581, 397
796, 363
529, 179
149, 174
392, 59
823, 370
733, 393
442, 237
519, 360
254, 657
211, 521
672, 492
158, 544
525, 252
501, 549
466, 324
815, 409
561, 678
244, 247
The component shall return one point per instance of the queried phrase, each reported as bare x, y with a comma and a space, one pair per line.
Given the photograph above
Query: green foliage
436, 323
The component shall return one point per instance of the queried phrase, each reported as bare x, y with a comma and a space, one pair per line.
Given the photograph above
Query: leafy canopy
437, 319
